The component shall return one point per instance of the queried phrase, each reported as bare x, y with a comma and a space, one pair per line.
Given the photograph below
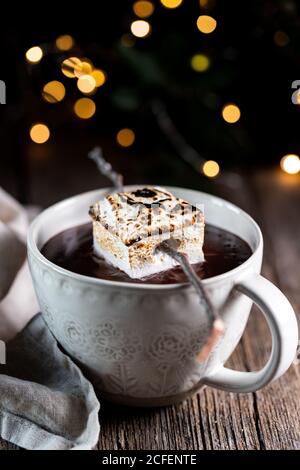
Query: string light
39, 133
70, 66
211, 169
85, 108
140, 28
86, 83
281, 38
34, 55
200, 62
231, 113
125, 137
143, 9
99, 76
64, 42
171, 3
54, 91
206, 24
290, 164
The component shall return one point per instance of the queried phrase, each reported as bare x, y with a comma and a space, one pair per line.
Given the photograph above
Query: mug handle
282, 322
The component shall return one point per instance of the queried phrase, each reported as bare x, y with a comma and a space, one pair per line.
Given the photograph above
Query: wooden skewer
106, 169
170, 247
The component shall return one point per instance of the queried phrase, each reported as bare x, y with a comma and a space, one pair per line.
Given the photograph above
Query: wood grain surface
212, 419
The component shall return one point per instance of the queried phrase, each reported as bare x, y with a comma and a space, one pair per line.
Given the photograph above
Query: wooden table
268, 419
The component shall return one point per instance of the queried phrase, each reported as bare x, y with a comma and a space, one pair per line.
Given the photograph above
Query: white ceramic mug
139, 342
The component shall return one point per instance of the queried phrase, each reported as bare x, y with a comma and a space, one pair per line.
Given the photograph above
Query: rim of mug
33, 248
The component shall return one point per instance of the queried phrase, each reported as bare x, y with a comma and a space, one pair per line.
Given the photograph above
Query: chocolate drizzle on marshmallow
128, 226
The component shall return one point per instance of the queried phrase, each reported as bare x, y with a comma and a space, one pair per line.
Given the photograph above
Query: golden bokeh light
200, 62
281, 39
207, 3
171, 3
34, 55
206, 24
143, 9
297, 97
140, 28
85, 108
211, 169
39, 133
99, 76
125, 137
64, 42
84, 68
71, 66
86, 83
54, 91
290, 164
231, 113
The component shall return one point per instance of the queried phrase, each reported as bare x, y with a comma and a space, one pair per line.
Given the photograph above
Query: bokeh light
200, 62
207, 3
34, 55
140, 28
231, 113
171, 3
54, 91
143, 9
99, 76
281, 39
70, 66
85, 108
64, 42
39, 133
84, 68
211, 168
206, 24
125, 137
86, 84
297, 100
290, 164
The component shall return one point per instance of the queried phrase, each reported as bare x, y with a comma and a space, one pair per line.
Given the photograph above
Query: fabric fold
17, 298
46, 402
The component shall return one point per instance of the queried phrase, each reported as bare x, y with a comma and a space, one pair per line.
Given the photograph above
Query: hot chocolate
72, 249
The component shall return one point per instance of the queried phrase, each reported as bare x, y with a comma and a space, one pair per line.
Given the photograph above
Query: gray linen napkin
45, 401
18, 303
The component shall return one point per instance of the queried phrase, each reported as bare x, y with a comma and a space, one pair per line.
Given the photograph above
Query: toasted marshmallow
127, 227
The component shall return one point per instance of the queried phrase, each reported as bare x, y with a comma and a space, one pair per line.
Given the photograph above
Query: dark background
247, 68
